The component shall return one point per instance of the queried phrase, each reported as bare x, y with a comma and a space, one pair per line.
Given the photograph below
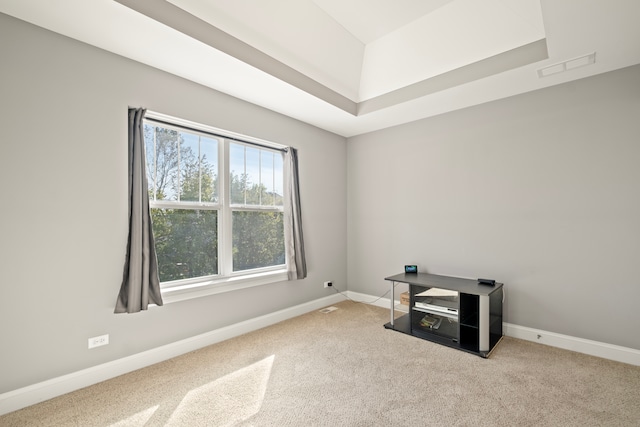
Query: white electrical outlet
99, 341
328, 284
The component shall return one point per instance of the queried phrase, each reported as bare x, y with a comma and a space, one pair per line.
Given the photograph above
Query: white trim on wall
36, 393
580, 345
594, 348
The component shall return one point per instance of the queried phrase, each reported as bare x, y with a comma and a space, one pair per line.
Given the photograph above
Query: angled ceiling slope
356, 66
347, 53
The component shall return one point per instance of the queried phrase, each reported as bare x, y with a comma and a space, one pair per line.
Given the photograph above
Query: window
216, 204
256, 188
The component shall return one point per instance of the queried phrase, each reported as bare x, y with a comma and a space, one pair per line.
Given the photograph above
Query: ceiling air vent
570, 64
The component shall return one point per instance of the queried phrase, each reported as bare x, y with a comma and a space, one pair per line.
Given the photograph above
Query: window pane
208, 168
181, 165
149, 151
256, 177
237, 177
198, 161
189, 167
258, 240
267, 177
279, 179
252, 169
186, 242
161, 146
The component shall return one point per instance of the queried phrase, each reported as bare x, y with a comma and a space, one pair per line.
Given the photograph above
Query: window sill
218, 286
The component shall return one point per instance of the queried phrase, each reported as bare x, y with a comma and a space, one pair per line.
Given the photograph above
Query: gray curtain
296, 263
140, 282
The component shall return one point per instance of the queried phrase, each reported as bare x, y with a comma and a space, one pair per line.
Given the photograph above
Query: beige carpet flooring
345, 369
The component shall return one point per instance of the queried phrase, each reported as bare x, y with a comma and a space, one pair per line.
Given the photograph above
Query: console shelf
455, 312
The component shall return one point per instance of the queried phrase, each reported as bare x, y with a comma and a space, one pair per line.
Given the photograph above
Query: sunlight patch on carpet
138, 419
227, 400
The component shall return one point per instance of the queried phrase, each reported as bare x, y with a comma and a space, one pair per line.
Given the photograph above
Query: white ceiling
368, 20
354, 66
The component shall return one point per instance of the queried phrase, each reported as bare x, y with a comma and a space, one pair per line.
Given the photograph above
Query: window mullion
179, 186
199, 169
273, 179
155, 163
244, 176
224, 223
260, 177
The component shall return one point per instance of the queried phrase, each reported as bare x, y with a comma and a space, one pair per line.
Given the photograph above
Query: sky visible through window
261, 166
198, 154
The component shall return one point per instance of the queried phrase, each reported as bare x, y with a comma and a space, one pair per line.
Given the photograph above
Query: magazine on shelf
430, 322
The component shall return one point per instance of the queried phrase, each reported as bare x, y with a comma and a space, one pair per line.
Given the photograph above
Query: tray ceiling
360, 65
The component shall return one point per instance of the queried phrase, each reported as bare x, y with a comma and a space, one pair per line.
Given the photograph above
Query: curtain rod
151, 119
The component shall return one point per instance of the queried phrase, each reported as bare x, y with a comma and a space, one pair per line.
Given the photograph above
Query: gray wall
539, 191
63, 227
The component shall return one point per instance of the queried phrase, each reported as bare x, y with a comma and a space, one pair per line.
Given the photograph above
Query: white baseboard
30, 395
369, 299
580, 345
36, 393
594, 348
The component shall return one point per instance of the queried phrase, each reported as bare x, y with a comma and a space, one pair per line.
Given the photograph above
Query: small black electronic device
488, 282
410, 268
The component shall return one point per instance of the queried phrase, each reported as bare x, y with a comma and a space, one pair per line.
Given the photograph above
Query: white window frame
226, 280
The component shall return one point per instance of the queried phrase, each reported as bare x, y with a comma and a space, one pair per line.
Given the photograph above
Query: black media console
459, 313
